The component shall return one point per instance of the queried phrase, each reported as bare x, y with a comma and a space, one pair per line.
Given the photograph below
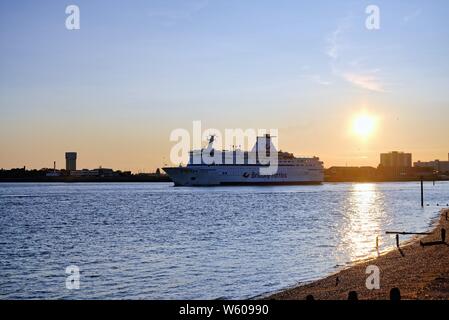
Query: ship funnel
265, 144
211, 142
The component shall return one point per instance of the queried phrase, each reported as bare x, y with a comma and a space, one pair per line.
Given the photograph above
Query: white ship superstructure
239, 167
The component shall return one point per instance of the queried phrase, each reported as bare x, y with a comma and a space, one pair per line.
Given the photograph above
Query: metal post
422, 192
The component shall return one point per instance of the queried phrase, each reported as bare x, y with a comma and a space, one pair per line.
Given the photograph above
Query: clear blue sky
114, 89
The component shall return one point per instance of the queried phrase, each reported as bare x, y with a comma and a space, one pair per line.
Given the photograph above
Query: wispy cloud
332, 40
317, 79
413, 15
350, 71
171, 14
365, 81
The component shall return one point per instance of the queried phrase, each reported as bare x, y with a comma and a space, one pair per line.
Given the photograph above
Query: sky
115, 89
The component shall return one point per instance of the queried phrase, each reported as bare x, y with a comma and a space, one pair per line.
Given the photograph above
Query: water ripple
153, 241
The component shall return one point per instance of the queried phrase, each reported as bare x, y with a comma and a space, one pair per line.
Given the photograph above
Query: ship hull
242, 175
271, 183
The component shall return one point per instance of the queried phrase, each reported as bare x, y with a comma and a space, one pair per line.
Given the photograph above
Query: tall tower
70, 161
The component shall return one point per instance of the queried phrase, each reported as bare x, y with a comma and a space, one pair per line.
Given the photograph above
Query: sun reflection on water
362, 222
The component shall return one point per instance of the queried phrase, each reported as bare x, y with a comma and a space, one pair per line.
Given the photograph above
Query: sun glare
364, 125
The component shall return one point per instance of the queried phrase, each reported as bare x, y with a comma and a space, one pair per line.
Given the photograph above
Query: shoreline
420, 272
163, 178
70, 179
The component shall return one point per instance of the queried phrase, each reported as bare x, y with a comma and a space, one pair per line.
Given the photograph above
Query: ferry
239, 167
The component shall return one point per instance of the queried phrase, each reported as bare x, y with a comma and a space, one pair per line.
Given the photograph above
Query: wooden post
422, 192
397, 240
404, 232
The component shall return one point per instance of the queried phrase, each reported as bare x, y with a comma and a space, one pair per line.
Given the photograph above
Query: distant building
70, 161
437, 165
100, 172
350, 174
396, 159
54, 172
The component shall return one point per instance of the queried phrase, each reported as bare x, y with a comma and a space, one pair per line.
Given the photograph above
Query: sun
364, 125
